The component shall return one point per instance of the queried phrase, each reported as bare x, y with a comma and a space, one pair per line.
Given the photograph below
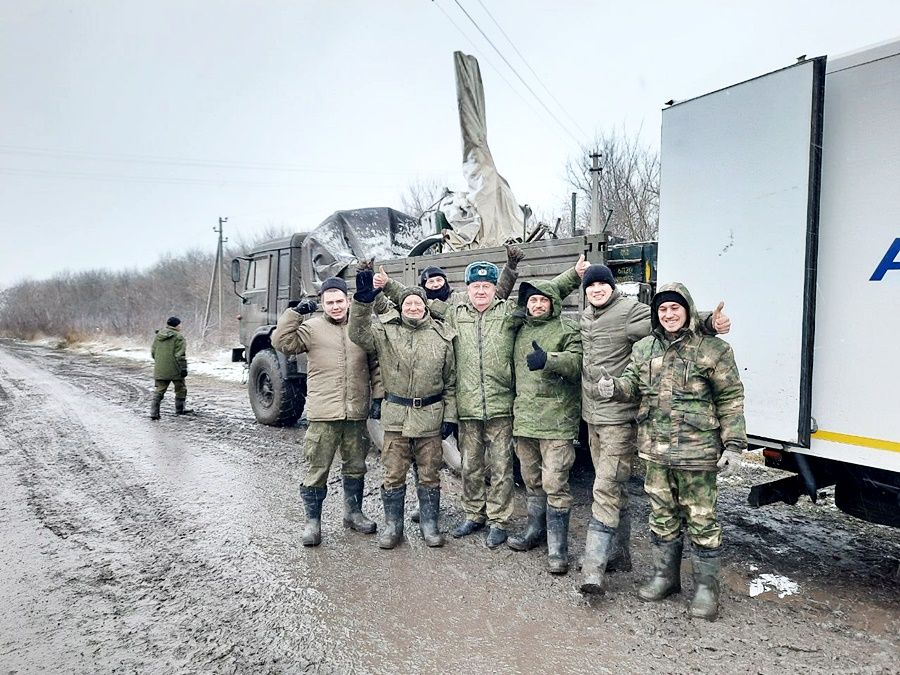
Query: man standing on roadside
340, 381
610, 325
169, 352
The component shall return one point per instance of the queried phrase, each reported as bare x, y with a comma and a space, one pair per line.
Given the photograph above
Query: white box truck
781, 195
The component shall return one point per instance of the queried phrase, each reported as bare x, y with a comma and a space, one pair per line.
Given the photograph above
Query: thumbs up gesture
538, 358
381, 278
605, 387
720, 320
581, 266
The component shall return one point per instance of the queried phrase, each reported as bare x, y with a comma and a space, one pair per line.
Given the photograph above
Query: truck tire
275, 400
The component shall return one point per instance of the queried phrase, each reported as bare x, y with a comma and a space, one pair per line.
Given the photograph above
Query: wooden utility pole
594, 226
216, 272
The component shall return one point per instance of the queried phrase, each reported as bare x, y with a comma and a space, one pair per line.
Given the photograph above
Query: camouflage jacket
548, 401
607, 336
416, 361
484, 345
341, 378
691, 395
169, 352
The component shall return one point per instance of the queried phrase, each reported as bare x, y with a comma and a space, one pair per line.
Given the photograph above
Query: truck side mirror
235, 270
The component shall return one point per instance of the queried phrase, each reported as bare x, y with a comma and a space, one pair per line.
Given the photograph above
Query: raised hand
381, 279
581, 266
720, 320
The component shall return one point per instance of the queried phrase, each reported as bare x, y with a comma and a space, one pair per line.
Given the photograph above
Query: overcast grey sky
127, 128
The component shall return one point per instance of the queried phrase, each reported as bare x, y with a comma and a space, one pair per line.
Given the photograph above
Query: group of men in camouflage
502, 374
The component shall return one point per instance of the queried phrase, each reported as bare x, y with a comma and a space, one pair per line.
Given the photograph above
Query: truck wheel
275, 401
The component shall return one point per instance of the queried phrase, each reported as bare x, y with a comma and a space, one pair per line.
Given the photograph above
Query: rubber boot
354, 518
620, 558
394, 502
495, 537
597, 547
154, 406
312, 501
465, 528
706, 564
535, 530
557, 540
429, 509
180, 409
666, 578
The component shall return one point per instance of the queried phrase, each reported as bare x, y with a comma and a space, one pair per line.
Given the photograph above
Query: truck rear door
739, 198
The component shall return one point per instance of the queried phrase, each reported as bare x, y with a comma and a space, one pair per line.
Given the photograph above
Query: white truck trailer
781, 195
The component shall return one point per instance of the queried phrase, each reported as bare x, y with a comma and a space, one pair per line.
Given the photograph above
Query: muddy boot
666, 578
312, 501
429, 509
154, 406
557, 540
353, 515
535, 530
705, 604
496, 535
620, 559
465, 528
392, 532
180, 409
597, 547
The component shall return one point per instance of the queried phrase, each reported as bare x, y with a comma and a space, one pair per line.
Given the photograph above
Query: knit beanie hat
173, 321
669, 296
430, 272
334, 282
599, 273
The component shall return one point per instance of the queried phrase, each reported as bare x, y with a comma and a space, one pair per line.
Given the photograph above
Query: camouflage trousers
487, 445
613, 447
162, 385
324, 440
678, 495
545, 464
398, 453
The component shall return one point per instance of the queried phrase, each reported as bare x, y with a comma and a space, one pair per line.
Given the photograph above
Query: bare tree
421, 195
629, 186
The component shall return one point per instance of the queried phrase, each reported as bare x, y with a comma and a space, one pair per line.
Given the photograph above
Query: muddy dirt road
173, 546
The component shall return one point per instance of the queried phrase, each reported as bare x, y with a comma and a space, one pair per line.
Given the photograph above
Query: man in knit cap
169, 354
610, 325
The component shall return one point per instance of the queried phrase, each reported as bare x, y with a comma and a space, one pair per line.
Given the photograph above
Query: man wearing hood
418, 369
340, 381
546, 416
610, 325
169, 352
690, 423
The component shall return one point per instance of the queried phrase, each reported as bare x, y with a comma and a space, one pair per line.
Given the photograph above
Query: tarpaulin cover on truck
347, 236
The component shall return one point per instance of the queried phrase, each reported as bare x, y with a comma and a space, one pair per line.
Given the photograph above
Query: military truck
282, 272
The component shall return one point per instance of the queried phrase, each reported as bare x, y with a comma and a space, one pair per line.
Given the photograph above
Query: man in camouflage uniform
415, 353
546, 415
483, 351
610, 325
169, 352
690, 423
340, 382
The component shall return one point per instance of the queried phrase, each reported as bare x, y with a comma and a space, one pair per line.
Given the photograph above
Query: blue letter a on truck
889, 262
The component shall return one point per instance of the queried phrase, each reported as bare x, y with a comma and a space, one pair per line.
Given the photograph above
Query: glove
449, 429
729, 462
375, 409
306, 307
183, 373
605, 386
365, 290
514, 255
536, 359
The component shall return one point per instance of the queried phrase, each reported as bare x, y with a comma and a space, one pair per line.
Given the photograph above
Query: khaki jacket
341, 378
416, 362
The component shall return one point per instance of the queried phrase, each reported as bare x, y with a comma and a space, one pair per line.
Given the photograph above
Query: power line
516, 73
188, 162
486, 60
527, 65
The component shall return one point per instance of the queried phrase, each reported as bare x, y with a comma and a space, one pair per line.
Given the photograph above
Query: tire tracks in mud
188, 581
143, 576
